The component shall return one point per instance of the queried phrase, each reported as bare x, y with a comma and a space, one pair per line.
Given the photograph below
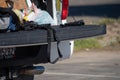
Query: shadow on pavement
108, 10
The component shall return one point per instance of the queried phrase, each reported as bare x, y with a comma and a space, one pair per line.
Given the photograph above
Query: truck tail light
65, 5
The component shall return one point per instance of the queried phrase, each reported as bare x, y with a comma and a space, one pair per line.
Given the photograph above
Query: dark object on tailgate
77, 32
40, 36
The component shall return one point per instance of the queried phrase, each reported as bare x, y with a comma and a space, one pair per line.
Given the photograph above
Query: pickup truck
46, 44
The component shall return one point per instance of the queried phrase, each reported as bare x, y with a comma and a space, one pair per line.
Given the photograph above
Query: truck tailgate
59, 33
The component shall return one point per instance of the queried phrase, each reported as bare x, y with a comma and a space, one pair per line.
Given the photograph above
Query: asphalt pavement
95, 8
92, 2
85, 65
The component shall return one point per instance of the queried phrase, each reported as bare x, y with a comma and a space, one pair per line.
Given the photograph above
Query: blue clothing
11, 26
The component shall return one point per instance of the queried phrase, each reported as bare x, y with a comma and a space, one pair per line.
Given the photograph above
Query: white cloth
41, 17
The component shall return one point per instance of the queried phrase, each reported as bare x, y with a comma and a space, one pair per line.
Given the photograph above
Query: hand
34, 8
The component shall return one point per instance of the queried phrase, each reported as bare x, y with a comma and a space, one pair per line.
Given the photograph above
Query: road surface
92, 2
85, 65
95, 8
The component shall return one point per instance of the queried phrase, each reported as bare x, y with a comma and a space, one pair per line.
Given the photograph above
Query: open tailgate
58, 33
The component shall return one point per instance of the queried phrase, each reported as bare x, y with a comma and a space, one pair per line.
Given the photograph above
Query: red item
65, 5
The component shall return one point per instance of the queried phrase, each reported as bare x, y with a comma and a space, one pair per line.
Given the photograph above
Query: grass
109, 21
90, 43
93, 43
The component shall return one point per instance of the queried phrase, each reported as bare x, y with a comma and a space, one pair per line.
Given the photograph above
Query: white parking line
82, 75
